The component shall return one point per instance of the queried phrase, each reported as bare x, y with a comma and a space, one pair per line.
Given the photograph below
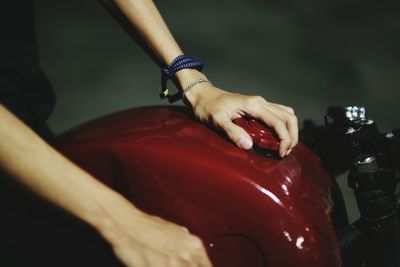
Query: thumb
236, 133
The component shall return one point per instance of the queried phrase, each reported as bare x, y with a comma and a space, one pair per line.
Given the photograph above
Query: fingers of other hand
186, 254
203, 259
237, 134
193, 254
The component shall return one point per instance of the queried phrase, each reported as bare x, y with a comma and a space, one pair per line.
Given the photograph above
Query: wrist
186, 77
198, 93
185, 72
111, 211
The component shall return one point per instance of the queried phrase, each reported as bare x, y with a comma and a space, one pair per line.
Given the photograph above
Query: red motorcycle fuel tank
250, 209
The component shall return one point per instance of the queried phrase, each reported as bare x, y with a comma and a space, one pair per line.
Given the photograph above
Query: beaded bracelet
179, 63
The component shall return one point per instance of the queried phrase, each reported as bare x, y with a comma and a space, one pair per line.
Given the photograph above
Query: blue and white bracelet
179, 63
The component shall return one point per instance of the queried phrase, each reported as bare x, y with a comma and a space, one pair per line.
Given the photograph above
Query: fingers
287, 114
194, 254
288, 109
280, 118
170, 245
187, 252
278, 125
219, 108
203, 259
237, 134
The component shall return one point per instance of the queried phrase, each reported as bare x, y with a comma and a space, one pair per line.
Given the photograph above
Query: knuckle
286, 139
278, 124
290, 110
272, 119
251, 101
293, 118
286, 142
186, 256
216, 117
248, 103
258, 98
184, 229
197, 243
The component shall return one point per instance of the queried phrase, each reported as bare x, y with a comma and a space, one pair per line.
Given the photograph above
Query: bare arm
138, 239
210, 104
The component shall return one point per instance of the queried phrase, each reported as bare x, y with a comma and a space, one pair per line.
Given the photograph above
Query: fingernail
288, 152
245, 143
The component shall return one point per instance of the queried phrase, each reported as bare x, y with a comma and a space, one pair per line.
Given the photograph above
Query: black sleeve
24, 89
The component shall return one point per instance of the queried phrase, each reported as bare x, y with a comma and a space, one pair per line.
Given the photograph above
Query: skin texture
138, 239
210, 104
219, 108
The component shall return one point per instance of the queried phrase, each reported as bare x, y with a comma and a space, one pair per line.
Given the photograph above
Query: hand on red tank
219, 108
210, 104
143, 240
138, 239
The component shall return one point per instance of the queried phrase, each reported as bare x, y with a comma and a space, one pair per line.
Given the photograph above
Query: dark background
304, 54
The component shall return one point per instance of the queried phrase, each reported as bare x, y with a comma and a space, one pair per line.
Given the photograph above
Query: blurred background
304, 54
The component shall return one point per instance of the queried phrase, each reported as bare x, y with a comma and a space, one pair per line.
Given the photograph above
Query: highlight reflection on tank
250, 208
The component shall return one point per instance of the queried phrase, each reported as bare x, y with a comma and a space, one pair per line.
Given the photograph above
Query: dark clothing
33, 233
24, 89
29, 97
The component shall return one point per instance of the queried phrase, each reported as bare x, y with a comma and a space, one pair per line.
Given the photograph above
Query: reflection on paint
268, 193
299, 242
285, 189
287, 235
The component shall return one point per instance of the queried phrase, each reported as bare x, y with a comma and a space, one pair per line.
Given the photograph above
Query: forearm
47, 173
149, 24
209, 103
137, 239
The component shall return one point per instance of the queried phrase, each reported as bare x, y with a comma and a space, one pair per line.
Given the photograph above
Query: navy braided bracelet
179, 63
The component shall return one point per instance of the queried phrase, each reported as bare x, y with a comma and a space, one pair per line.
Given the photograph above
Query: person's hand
142, 240
138, 239
218, 107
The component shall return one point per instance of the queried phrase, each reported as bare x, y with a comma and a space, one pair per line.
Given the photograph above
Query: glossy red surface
249, 209
262, 136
